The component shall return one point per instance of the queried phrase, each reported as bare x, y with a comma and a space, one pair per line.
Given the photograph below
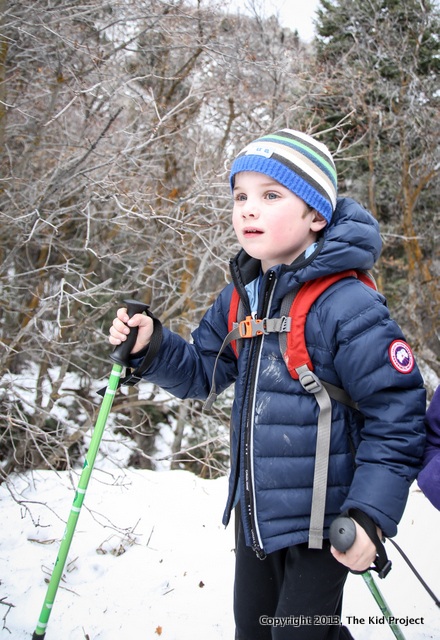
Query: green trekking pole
342, 537
374, 589
120, 357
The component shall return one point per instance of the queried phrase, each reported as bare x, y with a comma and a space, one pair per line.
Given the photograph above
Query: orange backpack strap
300, 367
233, 315
294, 349
367, 278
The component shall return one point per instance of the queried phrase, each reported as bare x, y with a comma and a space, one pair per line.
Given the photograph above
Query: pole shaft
382, 604
78, 501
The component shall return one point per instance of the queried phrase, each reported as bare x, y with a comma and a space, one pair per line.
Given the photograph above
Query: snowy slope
151, 559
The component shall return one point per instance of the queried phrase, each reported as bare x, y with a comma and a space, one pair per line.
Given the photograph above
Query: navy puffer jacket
348, 334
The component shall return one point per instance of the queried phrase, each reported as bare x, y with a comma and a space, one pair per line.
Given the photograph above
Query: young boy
292, 230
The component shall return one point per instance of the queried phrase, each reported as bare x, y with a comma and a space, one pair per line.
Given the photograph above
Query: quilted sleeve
185, 369
378, 370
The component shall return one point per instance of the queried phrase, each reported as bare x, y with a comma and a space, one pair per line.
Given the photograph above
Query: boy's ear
318, 221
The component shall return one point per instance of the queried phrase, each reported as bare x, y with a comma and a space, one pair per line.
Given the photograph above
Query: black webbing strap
132, 377
212, 397
381, 564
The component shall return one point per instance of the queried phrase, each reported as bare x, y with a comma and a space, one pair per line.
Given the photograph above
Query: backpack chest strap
250, 327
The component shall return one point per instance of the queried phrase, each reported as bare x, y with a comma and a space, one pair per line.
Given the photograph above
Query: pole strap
133, 377
381, 564
415, 572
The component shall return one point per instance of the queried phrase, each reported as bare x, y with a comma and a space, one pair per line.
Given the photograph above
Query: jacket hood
351, 241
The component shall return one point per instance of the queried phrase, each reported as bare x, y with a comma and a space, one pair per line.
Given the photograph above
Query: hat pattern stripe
306, 164
319, 147
306, 149
305, 175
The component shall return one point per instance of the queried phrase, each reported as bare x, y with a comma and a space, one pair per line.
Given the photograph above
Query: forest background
118, 123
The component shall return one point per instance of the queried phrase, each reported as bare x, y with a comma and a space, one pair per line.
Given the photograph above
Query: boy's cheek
279, 236
235, 224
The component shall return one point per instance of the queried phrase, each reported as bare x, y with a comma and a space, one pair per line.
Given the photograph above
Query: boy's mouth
249, 231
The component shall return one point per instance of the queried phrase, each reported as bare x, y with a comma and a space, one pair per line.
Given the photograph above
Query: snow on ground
149, 554
151, 559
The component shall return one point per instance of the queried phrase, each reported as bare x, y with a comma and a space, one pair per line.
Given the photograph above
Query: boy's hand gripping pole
342, 537
120, 357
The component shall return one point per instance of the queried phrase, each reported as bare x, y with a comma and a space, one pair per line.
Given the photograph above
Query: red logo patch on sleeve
401, 356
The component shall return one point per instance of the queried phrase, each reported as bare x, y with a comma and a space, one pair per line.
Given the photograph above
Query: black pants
298, 587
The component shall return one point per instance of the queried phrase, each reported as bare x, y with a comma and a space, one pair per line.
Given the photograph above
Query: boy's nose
250, 209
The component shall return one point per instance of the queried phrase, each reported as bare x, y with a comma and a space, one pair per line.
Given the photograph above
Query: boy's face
272, 224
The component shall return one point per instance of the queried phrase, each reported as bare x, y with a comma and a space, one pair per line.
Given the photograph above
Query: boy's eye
240, 197
271, 195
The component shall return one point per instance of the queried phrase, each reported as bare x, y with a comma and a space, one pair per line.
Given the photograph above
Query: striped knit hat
298, 162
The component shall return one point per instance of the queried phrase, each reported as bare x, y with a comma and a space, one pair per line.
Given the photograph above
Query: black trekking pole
120, 357
342, 537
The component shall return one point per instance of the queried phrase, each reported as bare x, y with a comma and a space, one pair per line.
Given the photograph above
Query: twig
63, 176
10, 606
7, 604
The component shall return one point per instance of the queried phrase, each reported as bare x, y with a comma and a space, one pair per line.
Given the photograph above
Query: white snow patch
150, 555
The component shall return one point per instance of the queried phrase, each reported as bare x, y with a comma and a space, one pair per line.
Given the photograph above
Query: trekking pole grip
342, 533
121, 353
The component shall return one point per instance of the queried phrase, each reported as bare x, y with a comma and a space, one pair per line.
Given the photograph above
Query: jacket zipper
238, 452
244, 297
249, 496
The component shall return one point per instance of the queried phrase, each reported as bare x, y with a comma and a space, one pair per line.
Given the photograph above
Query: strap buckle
251, 327
130, 379
384, 571
310, 381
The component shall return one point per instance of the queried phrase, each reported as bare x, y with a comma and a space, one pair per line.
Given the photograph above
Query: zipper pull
259, 552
